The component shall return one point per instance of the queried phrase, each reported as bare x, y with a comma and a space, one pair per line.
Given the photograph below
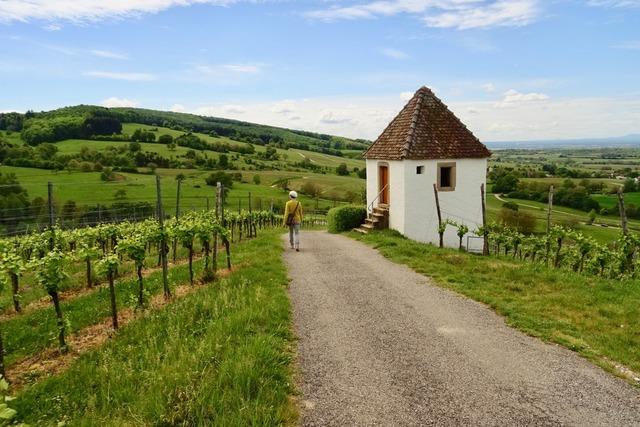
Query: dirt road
380, 345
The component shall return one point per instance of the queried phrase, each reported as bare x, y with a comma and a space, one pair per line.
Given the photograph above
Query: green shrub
345, 218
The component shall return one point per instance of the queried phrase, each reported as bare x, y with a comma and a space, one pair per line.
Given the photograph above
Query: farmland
227, 354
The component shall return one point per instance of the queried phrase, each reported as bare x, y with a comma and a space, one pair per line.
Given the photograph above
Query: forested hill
86, 120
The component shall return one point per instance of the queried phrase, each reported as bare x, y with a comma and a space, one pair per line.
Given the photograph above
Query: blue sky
510, 69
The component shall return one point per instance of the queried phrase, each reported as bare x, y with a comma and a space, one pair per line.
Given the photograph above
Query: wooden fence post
175, 241
163, 241
485, 233
215, 238
623, 212
550, 209
440, 233
227, 245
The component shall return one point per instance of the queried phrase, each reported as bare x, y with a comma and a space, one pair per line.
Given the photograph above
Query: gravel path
380, 345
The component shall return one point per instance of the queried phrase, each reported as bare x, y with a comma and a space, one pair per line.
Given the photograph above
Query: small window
447, 176
419, 170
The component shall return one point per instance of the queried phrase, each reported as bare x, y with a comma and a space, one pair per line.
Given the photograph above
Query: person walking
293, 219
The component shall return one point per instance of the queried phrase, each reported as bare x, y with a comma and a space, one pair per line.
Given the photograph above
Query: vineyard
96, 270
570, 249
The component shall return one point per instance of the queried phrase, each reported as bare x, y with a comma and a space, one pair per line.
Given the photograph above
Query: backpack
292, 216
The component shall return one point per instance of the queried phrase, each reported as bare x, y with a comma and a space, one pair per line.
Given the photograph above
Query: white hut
426, 144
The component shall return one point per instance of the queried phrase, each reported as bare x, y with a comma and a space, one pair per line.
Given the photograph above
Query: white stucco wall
412, 201
396, 190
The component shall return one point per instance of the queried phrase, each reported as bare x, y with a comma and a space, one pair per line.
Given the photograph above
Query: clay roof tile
426, 129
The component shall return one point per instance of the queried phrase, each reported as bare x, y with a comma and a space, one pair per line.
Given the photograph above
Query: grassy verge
219, 356
598, 318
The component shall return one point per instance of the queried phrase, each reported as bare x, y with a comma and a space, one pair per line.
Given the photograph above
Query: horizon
344, 68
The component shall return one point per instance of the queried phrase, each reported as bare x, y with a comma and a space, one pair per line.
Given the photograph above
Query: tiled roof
426, 129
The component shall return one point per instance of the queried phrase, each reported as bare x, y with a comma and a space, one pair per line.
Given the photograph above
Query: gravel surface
380, 345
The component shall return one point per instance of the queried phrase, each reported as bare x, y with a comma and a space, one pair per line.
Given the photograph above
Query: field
219, 355
86, 188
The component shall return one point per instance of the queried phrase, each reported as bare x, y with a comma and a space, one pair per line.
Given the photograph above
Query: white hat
293, 194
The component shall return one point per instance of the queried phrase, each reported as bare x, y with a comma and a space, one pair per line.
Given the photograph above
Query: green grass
596, 317
86, 188
564, 215
31, 332
290, 156
610, 201
220, 356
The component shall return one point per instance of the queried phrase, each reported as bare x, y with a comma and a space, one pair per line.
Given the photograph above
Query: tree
221, 177
630, 186
342, 169
165, 139
362, 173
223, 161
107, 174
311, 189
120, 194
256, 179
135, 147
505, 183
47, 151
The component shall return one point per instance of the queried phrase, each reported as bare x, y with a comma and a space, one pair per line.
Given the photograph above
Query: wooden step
361, 230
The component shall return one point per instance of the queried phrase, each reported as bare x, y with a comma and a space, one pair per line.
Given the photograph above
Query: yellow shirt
290, 208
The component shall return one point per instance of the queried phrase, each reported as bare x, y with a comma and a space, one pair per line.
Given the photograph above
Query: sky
510, 69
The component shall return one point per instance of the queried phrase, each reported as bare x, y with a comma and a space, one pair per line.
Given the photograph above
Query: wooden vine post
215, 237
440, 232
550, 209
163, 241
485, 232
175, 241
623, 212
250, 218
225, 240
53, 291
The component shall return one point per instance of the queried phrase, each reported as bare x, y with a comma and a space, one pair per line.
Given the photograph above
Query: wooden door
383, 184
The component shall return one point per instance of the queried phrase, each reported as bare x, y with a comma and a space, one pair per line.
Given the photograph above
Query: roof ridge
414, 120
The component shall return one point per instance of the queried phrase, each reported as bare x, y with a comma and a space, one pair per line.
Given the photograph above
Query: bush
511, 205
345, 218
521, 221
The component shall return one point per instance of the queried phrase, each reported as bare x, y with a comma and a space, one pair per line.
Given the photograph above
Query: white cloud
236, 74
394, 53
460, 14
108, 54
367, 117
489, 87
285, 107
513, 97
178, 108
114, 75
629, 45
118, 102
335, 118
234, 109
405, 96
509, 13
89, 10
52, 27
242, 68
615, 3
